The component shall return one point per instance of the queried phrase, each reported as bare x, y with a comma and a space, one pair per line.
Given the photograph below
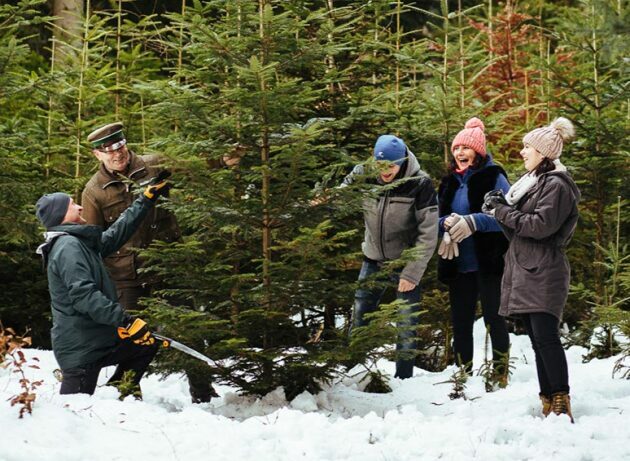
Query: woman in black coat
475, 272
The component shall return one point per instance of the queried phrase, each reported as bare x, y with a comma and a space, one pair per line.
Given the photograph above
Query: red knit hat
471, 136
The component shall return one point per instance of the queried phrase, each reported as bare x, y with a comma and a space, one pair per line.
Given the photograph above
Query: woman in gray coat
538, 215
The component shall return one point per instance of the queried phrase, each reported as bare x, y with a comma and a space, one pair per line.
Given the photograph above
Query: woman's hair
478, 162
544, 167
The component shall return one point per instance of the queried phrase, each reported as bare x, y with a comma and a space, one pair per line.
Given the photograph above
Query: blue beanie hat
52, 208
389, 147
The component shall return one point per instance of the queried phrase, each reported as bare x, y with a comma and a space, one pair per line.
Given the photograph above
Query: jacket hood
561, 172
413, 166
90, 235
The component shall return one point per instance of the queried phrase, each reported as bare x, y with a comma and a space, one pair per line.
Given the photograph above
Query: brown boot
561, 404
546, 404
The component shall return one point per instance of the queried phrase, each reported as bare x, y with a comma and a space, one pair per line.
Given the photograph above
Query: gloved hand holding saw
138, 332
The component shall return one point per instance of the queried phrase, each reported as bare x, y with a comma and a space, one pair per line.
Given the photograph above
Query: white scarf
526, 183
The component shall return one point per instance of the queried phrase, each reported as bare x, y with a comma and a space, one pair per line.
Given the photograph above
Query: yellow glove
153, 191
138, 332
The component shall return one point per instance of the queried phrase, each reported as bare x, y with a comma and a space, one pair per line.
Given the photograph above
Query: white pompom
564, 127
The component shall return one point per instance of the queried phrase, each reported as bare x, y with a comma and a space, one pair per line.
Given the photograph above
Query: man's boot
561, 404
546, 404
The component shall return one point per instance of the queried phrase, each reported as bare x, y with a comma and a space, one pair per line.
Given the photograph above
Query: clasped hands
491, 200
457, 228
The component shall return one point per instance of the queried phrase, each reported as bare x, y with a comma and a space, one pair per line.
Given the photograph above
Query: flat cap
106, 134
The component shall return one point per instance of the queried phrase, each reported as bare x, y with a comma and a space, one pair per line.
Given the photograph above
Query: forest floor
416, 421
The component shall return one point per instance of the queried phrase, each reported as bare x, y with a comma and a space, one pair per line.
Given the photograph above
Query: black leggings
551, 361
464, 292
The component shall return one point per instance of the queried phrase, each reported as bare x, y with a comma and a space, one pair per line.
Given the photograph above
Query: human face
531, 157
73, 215
116, 160
464, 157
388, 172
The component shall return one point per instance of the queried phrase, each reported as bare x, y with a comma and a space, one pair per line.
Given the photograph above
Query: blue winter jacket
467, 260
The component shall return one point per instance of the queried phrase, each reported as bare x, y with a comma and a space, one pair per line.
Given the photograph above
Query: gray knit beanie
52, 208
549, 140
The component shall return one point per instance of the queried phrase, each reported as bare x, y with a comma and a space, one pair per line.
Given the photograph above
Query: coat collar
137, 169
89, 234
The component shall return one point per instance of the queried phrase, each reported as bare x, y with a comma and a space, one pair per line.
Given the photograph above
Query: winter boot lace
546, 404
561, 404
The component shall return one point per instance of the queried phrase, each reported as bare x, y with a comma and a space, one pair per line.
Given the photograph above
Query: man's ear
97, 154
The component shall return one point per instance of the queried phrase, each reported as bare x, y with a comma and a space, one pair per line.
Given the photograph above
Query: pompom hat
549, 140
471, 136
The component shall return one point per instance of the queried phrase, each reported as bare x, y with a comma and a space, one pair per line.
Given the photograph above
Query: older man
91, 330
107, 194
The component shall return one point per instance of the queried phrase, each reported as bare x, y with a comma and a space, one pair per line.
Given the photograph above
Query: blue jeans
366, 300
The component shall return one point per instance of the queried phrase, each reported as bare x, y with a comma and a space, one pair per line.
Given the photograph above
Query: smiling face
464, 156
73, 215
388, 171
531, 157
116, 160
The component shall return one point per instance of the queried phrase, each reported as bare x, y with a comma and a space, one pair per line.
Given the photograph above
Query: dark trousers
127, 355
464, 292
367, 301
199, 382
551, 361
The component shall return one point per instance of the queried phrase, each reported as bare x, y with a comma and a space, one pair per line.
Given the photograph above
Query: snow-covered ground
417, 421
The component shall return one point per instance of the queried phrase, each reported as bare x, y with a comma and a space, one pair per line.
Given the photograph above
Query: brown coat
539, 227
107, 195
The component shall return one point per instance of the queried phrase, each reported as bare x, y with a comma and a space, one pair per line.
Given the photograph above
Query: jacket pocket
531, 256
400, 213
121, 267
113, 210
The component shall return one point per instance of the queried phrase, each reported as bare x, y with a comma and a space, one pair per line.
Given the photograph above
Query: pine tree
23, 287
258, 258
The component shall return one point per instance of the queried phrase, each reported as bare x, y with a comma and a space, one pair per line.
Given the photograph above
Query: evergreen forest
299, 90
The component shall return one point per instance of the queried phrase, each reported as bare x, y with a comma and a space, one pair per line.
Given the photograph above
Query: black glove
157, 186
491, 200
138, 332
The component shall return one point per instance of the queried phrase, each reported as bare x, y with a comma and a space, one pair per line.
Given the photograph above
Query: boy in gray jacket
398, 218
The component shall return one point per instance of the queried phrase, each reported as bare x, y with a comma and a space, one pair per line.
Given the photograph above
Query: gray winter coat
539, 227
401, 217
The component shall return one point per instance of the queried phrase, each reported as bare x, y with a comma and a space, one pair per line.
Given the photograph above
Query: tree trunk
68, 27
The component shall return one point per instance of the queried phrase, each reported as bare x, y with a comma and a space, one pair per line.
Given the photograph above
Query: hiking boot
546, 404
561, 404
500, 377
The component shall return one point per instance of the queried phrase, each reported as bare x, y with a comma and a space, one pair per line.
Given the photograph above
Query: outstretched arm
125, 226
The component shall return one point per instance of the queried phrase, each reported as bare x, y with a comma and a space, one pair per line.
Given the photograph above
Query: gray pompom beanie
549, 140
52, 208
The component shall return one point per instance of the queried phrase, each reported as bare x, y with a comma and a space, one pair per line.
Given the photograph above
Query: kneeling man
90, 329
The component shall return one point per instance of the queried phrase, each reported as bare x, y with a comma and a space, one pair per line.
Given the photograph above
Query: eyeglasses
113, 147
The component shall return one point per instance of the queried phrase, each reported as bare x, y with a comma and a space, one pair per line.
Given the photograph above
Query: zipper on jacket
381, 219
